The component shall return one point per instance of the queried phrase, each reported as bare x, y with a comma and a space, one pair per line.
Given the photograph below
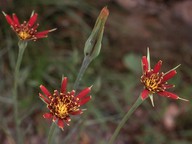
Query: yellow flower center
152, 82
24, 35
62, 108
62, 105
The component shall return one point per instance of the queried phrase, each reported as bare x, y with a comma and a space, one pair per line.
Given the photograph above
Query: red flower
27, 30
156, 82
63, 104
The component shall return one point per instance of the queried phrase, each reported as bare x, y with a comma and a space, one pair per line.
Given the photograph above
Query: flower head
156, 81
27, 30
63, 104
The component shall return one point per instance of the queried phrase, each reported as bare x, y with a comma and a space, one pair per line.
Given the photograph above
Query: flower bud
93, 43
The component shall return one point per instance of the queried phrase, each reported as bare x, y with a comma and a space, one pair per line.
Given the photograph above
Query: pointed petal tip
73, 91
183, 99
151, 98
4, 13
84, 109
40, 94
144, 57
64, 78
51, 30
67, 124
90, 86
175, 68
178, 65
33, 12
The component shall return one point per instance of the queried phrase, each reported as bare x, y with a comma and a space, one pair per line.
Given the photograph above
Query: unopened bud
93, 44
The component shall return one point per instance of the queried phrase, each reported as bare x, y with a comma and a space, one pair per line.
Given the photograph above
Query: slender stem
51, 132
85, 64
22, 45
124, 120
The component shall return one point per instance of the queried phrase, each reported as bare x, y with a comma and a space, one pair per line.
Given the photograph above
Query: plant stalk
85, 64
22, 45
51, 132
124, 120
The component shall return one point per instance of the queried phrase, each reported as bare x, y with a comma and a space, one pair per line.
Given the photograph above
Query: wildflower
27, 30
63, 104
155, 81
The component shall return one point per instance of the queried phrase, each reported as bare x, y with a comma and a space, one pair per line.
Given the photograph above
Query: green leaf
132, 62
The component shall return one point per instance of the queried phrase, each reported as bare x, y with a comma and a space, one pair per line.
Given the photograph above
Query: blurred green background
133, 25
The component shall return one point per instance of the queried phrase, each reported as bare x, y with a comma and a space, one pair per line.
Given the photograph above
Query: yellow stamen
62, 104
62, 109
152, 82
24, 35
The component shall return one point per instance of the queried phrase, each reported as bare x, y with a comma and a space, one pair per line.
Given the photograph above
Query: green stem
22, 45
125, 118
51, 132
85, 64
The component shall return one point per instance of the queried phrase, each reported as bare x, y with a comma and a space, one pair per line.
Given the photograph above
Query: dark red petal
76, 112
56, 93
157, 67
39, 36
168, 94
72, 92
64, 85
67, 120
45, 91
168, 86
44, 99
32, 20
43, 33
144, 94
48, 115
84, 92
9, 20
60, 123
145, 64
35, 26
169, 75
54, 118
16, 20
85, 100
